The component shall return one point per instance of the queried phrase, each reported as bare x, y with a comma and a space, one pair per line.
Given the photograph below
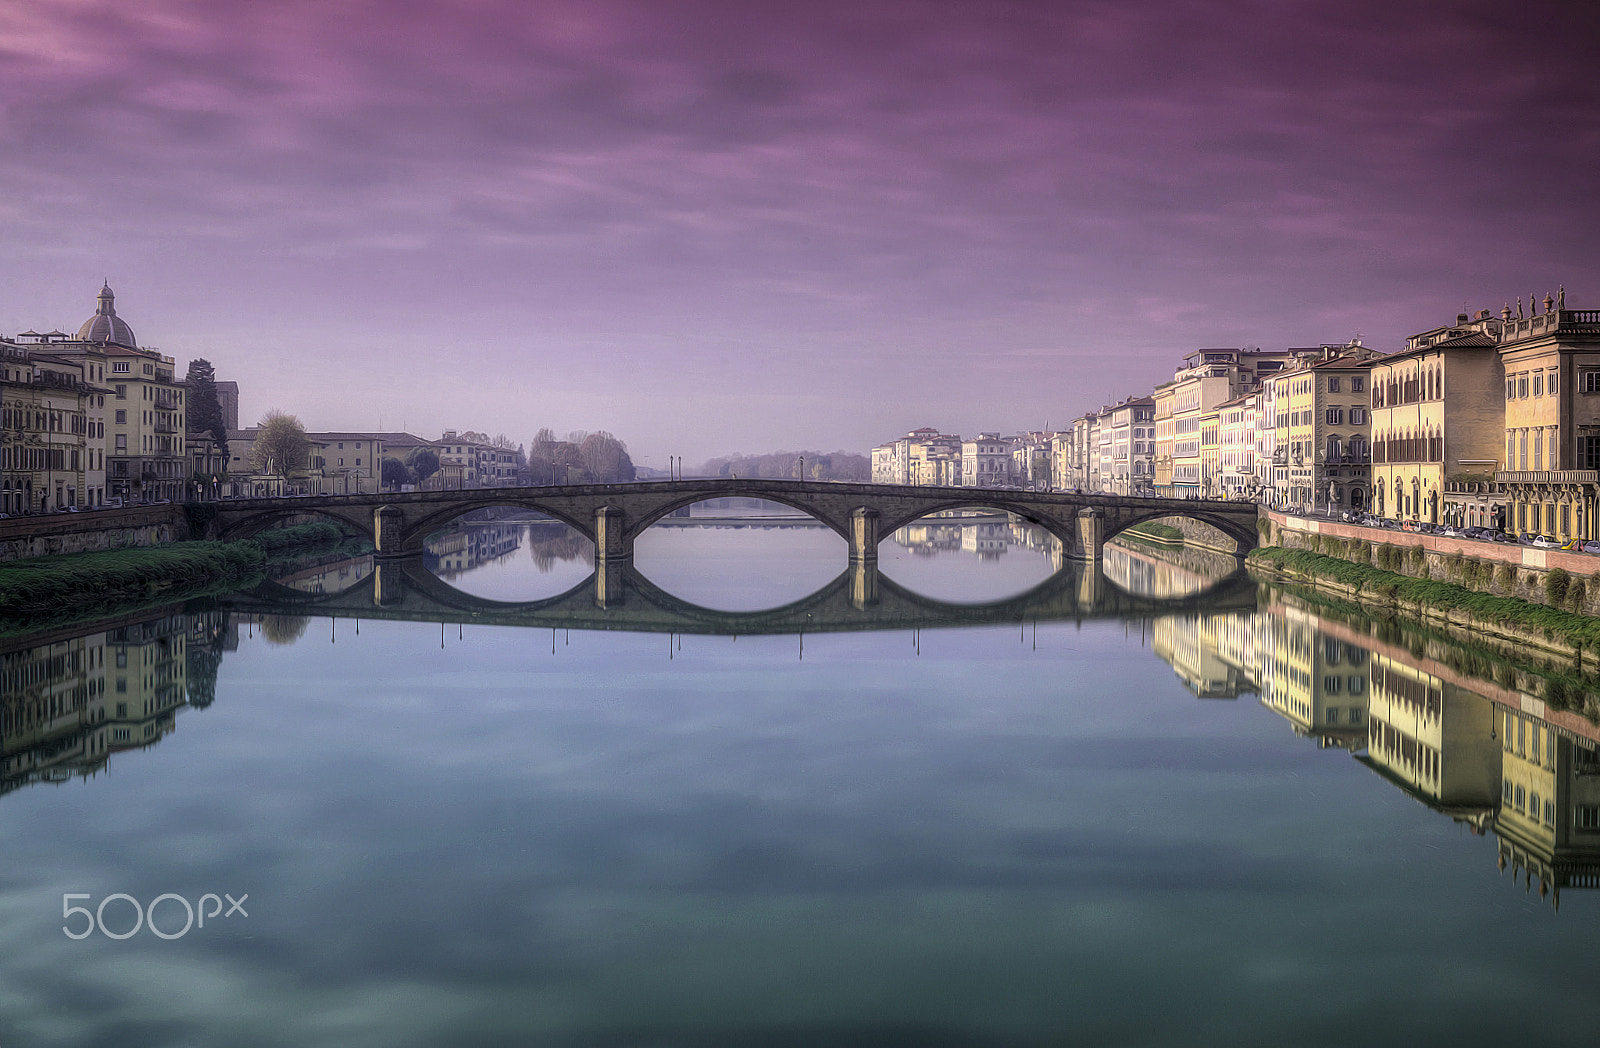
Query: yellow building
1161, 475
1551, 440
1438, 414
1322, 450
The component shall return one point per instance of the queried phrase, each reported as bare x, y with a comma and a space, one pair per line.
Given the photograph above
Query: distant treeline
833, 465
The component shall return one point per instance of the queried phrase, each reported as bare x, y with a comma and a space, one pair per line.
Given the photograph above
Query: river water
1255, 824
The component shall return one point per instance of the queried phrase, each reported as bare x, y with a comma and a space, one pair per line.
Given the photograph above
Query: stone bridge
612, 516
858, 599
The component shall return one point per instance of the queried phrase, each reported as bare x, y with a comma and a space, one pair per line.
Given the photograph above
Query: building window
1587, 817
1522, 385
1336, 416
122, 392
1590, 381
119, 367
1333, 383
122, 416
1538, 384
1591, 452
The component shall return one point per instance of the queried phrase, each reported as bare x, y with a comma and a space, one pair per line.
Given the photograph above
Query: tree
423, 463
203, 414
395, 473
281, 446
605, 458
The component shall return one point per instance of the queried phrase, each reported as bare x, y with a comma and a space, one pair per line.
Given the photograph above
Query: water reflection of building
988, 536
66, 705
1432, 738
1318, 683
460, 549
1471, 747
1189, 643
1548, 822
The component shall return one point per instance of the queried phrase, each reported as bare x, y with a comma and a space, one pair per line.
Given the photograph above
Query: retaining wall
1513, 570
95, 530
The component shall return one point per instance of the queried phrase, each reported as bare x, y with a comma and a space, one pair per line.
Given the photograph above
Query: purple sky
735, 226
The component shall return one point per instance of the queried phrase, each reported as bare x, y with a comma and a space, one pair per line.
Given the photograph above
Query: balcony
1548, 476
166, 400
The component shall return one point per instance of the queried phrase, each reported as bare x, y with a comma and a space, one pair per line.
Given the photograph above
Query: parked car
1504, 536
1573, 544
1545, 542
1591, 545
1451, 532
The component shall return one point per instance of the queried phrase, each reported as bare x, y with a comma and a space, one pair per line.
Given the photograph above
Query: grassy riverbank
1506, 616
44, 591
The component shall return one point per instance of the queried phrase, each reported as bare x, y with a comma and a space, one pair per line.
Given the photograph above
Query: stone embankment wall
1502, 569
96, 530
1199, 536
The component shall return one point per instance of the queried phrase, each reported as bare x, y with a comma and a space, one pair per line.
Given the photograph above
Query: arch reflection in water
481, 557
739, 554
970, 555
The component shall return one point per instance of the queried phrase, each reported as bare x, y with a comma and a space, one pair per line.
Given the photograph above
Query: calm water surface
1143, 831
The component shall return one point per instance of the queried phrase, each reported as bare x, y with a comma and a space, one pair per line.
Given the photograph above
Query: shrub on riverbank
111, 576
107, 578
1580, 631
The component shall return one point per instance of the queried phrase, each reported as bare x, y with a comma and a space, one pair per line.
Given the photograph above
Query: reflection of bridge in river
622, 598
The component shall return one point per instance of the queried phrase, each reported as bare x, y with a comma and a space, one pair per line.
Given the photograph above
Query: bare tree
281, 446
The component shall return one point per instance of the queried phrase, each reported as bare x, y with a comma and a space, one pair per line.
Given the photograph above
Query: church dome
105, 325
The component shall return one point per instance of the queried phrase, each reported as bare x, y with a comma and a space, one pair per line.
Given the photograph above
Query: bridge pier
864, 535
609, 541
1091, 535
388, 531
608, 583
388, 584
863, 583
613, 553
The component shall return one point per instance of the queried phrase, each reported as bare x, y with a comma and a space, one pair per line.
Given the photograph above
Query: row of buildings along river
1492, 420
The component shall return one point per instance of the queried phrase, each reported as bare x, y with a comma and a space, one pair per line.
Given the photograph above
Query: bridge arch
420, 527
816, 512
1063, 526
1244, 537
266, 519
